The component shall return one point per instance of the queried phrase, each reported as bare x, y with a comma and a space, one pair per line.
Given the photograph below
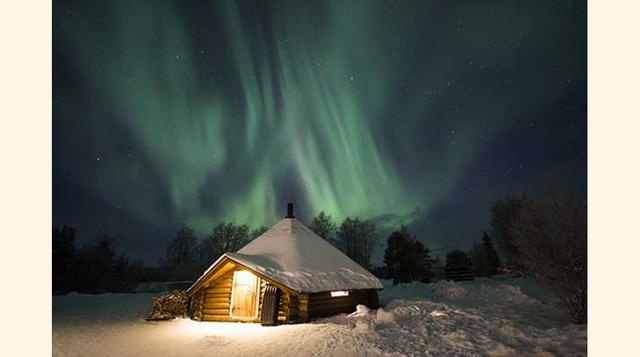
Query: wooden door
244, 296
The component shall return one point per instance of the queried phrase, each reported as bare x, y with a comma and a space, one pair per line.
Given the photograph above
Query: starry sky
404, 112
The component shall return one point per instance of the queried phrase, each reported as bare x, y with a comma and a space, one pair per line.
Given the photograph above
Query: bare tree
324, 226
551, 242
503, 213
225, 237
181, 255
357, 239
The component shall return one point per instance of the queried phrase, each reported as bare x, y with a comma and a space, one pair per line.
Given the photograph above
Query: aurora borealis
417, 112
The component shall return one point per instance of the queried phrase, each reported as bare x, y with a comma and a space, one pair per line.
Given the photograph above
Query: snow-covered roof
291, 254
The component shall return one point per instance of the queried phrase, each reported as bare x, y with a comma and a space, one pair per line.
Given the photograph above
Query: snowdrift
487, 317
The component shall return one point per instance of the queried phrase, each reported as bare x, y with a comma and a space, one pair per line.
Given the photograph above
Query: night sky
414, 112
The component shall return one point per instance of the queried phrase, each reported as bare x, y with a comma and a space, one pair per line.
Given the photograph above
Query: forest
542, 239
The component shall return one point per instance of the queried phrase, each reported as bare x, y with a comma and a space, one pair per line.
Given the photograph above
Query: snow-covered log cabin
287, 275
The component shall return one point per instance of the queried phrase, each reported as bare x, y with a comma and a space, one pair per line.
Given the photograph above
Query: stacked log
169, 306
197, 302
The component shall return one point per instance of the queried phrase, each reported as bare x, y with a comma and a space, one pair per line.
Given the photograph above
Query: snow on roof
292, 255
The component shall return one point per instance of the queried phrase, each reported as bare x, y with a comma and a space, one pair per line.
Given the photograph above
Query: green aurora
197, 113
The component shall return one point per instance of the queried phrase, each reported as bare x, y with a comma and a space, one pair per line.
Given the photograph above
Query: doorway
244, 295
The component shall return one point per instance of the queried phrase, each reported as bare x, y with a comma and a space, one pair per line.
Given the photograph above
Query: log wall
217, 299
212, 302
323, 305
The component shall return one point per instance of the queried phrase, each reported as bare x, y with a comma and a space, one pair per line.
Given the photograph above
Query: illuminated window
339, 293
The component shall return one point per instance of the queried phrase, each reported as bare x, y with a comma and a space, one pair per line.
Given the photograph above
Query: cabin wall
323, 305
213, 301
283, 307
217, 299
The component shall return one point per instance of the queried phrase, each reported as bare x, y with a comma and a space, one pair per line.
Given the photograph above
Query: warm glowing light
191, 328
244, 296
244, 278
339, 293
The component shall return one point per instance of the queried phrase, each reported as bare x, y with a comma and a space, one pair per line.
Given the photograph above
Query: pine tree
424, 263
407, 259
181, 257
493, 261
258, 232
63, 256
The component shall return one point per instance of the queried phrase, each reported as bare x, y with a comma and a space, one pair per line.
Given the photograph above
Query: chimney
290, 210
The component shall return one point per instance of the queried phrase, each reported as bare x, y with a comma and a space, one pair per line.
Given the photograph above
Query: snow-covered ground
488, 317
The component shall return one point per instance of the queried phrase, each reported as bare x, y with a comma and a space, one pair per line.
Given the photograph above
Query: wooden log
218, 294
216, 301
226, 280
216, 305
221, 283
207, 311
338, 302
217, 298
216, 318
334, 301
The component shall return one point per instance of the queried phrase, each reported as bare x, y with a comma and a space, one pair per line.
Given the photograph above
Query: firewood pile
169, 306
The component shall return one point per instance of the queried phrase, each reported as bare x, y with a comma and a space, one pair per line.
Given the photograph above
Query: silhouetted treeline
98, 268
94, 268
484, 257
544, 240
458, 266
356, 238
406, 258
187, 255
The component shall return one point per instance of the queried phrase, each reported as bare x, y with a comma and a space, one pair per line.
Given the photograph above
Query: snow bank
484, 317
481, 292
497, 318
